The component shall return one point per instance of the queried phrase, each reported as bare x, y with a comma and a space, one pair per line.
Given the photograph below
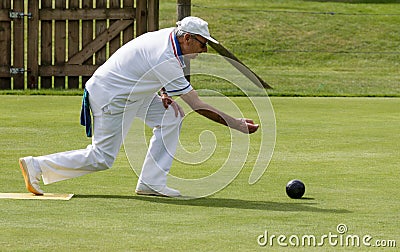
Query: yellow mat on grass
46, 196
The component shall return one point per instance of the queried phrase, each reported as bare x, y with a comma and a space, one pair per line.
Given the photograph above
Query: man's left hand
167, 101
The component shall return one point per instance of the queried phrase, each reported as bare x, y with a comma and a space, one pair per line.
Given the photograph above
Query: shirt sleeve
171, 76
178, 87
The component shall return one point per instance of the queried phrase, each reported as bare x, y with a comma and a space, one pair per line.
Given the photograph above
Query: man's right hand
247, 126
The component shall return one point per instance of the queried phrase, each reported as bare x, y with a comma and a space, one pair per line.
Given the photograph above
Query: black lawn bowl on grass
295, 189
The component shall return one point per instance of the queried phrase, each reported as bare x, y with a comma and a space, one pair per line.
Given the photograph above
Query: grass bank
301, 48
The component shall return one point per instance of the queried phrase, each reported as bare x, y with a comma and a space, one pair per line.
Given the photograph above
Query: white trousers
110, 126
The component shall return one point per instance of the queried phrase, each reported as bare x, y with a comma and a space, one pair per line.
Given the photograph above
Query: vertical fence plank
46, 45
183, 10
5, 45
73, 42
59, 45
33, 33
18, 26
153, 15
87, 35
114, 43
141, 17
128, 33
101, 26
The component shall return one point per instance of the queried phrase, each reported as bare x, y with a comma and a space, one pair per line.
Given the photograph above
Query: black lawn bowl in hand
295, 189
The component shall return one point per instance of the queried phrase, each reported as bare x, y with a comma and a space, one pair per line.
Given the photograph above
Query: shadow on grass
302, 205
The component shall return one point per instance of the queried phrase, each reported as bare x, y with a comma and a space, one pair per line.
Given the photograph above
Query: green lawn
346, 151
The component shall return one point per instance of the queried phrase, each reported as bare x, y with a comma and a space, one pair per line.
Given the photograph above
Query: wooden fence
60, 43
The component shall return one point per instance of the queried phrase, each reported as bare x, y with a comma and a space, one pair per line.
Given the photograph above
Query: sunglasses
203, 45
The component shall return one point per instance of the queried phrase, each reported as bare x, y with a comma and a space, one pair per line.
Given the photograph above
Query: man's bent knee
103, 161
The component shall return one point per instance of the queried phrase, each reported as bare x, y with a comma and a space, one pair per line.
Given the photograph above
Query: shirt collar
177, 49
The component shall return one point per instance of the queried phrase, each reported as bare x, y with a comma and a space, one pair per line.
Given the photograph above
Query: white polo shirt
141, 68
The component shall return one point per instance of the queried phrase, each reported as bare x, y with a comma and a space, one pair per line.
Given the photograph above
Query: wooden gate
60, 43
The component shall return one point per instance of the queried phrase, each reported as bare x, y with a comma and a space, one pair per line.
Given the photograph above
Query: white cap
196, 26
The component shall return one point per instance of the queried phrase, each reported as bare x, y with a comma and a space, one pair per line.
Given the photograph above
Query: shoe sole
148, 193
25, 173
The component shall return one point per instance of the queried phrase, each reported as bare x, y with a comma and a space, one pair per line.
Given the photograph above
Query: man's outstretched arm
206, 110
